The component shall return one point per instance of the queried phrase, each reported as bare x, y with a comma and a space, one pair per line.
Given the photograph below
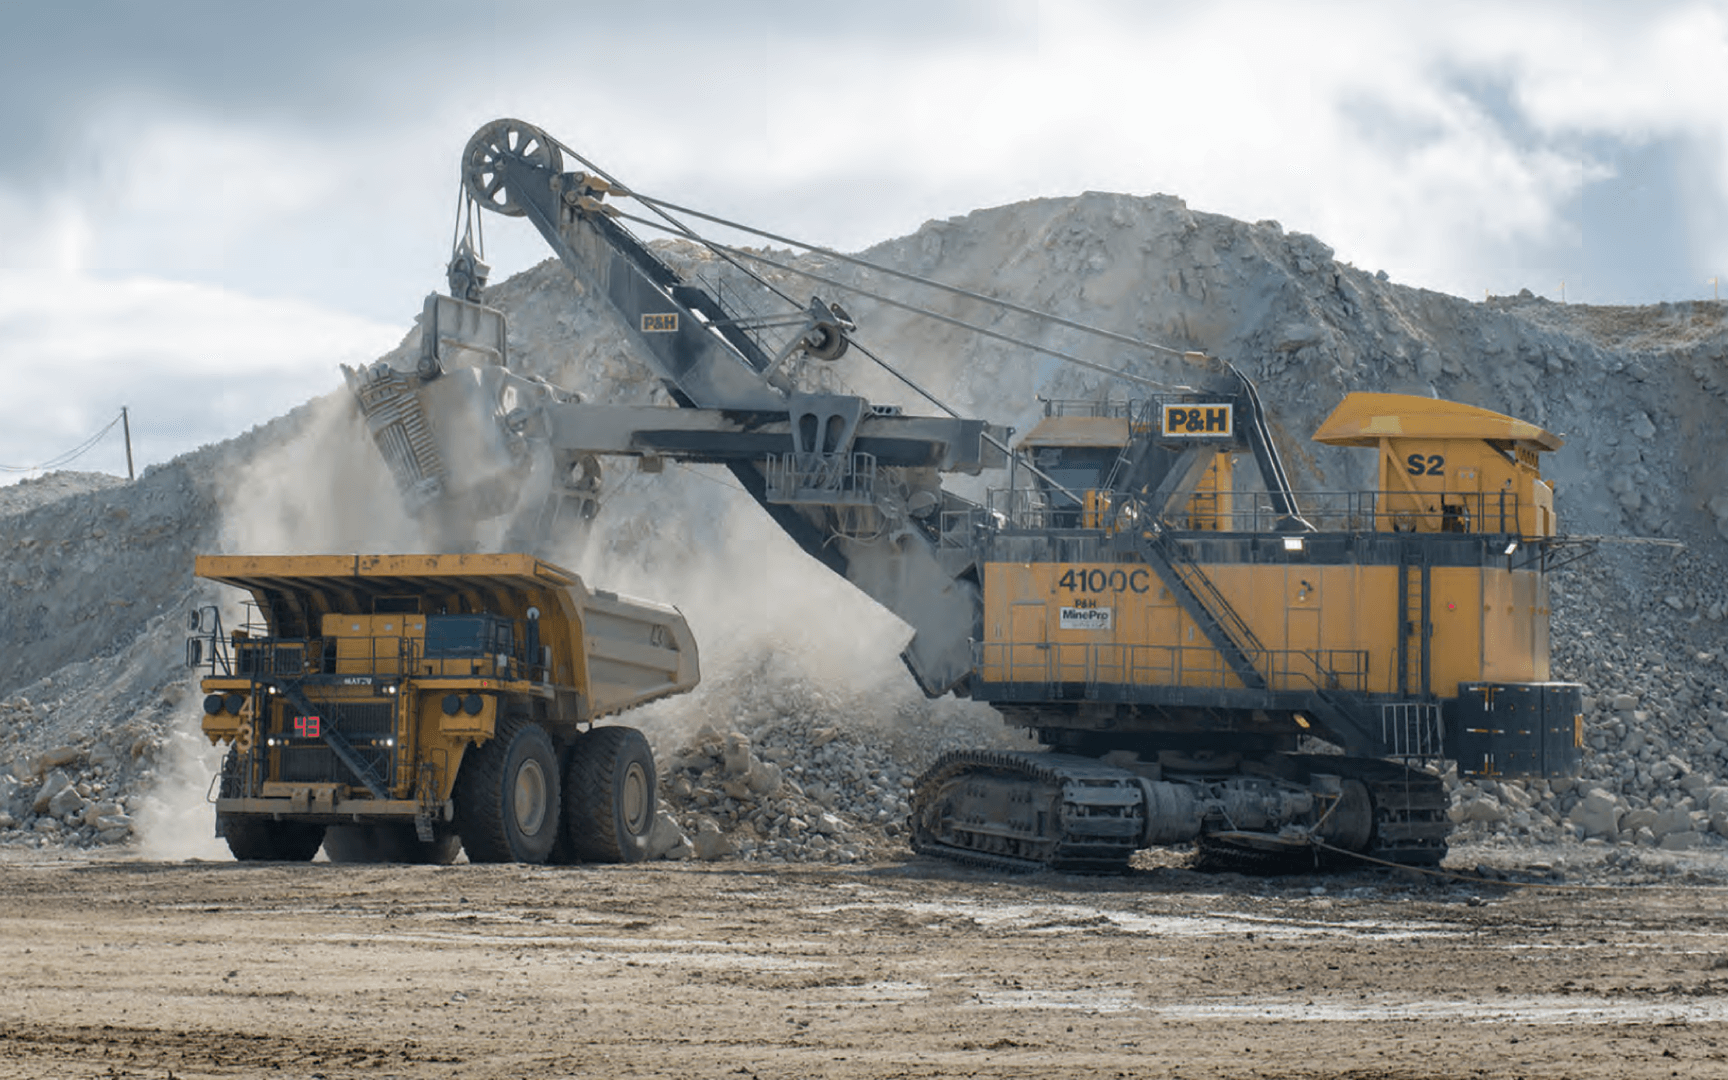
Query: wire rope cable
675, 225
982, 331
732, 255
69, 456
1008, 305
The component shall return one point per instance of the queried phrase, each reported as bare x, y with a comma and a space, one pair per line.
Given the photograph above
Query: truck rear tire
386, 843
507, 796
610, 796
264, 840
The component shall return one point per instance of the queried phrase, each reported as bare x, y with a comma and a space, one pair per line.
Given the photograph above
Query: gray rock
1681, 841
666, 840
739, 759
1633, 820
1480, 808
1672, 820
1717, 802
57, 782
711, 843
60, 755
1598, 814
66, 801
764, 778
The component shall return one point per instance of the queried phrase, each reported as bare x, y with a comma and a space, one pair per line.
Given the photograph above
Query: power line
69, 456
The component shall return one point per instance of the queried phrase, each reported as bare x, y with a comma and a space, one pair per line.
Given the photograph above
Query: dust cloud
175, 821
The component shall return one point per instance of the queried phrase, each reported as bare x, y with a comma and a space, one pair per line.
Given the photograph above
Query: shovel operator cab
406, 707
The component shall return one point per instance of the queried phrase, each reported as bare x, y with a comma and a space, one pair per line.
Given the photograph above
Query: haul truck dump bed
406, 707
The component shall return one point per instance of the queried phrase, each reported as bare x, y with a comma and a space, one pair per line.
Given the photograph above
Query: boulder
1717, 801
1598, 814
103, 756
666, 840
60, 755
764, 778
1672, 820
1634, 820
57, 782
711, 843
66, 801
1483, 807
739, 759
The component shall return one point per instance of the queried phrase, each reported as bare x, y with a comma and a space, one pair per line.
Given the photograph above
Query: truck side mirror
194, 652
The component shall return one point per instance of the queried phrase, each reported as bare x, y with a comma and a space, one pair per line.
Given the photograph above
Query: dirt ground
917, 969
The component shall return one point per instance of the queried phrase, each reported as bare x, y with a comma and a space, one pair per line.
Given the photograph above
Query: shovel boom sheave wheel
491, 149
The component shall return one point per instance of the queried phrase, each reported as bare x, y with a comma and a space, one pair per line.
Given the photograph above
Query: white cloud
1448, 143
194, 363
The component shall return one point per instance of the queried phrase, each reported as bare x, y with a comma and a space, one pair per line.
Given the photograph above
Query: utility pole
126, 426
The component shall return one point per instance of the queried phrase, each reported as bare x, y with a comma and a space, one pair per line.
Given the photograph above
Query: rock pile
785, 768
81, 794
849, 804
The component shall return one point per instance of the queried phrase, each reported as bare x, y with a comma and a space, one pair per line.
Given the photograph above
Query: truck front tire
610, 796
507, 796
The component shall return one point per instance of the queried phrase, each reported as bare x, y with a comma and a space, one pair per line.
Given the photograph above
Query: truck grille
365, 725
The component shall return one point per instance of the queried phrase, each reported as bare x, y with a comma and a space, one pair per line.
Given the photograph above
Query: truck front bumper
307, 806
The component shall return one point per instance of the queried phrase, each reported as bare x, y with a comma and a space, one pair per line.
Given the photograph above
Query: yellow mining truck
403, 708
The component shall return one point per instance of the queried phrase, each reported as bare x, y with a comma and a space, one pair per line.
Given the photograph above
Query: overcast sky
206, 206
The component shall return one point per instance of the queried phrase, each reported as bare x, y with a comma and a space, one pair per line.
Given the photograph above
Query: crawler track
1022, 812
1410, 823
1027, 811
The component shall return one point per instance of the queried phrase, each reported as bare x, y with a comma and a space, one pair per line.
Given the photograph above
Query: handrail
1166, 665
1469, 512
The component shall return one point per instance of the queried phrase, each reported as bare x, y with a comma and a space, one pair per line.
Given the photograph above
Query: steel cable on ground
67, 457
1453, 875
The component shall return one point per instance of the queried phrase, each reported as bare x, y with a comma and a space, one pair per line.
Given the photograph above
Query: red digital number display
308, 727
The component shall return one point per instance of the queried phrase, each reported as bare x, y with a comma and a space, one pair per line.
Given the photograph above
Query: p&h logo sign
1198, 421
